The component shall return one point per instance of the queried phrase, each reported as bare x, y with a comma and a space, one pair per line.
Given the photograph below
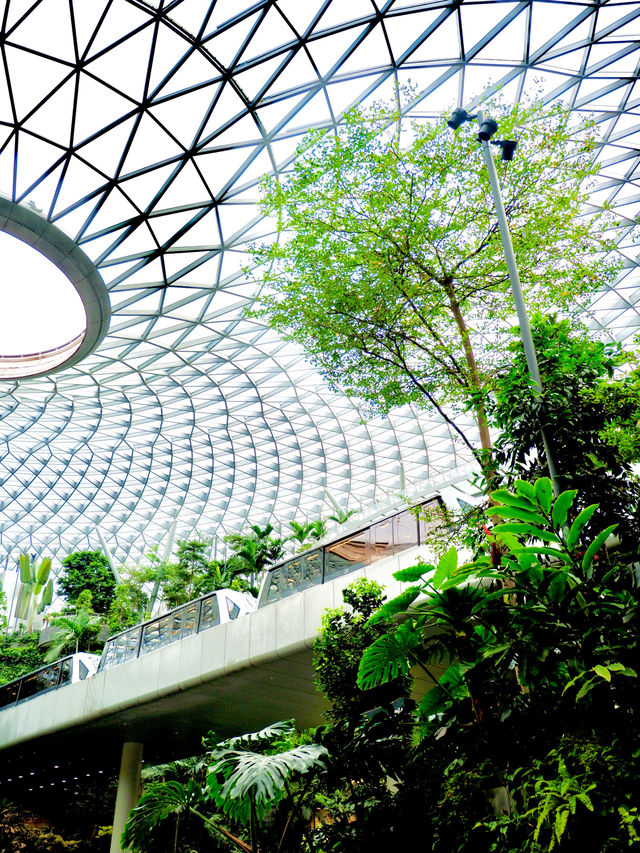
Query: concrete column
128, 790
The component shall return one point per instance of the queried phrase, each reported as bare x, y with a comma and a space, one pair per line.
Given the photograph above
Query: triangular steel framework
142, 129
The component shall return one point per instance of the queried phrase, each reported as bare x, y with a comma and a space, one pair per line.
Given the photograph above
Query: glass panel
9, 693
347, 555
210, 613
67, 671
274, 589
40, 681
405, 531
292, 572
186, 620
311, 569
232, 609
431, 517
381, 540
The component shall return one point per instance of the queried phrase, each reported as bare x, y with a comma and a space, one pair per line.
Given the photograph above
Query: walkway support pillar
128, 790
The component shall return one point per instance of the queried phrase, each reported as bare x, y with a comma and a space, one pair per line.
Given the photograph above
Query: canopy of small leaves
541, 642
586, 416
87, 570
189, 577
391, 255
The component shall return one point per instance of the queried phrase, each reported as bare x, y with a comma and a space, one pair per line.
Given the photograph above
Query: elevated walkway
233, 677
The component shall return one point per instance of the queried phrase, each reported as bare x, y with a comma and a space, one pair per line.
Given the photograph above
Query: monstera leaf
238, 778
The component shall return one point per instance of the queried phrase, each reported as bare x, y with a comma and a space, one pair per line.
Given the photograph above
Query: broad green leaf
503, 496
595, 546
446, 567
42, 574
586, 687
544, 493
388, 657
451, 686
529, 530
542, 549
518, 514
602, 671
25, 568
561, 507
397, 605
507, 539
557, 587
579, 524
526, 489
254, 777
413, 573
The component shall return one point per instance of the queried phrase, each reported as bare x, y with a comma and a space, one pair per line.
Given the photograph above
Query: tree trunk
474, 382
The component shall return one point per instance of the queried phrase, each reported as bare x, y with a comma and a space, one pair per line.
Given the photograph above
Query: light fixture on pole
487, 129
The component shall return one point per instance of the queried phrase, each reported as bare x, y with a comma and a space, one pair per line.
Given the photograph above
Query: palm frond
159, 801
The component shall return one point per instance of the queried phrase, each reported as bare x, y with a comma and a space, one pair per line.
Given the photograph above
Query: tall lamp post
486, 129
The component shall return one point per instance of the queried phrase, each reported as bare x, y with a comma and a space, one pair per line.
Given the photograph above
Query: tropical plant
539, 640
368, 733
248, 775
391, 253
254, 551
87, 570
35, 591
588, 418
73, 631
20, 653
307, 533
341, 516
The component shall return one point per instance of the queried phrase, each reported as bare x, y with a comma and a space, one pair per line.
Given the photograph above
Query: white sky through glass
142, 130
39, 307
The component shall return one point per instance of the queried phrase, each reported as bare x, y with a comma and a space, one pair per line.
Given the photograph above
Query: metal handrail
18, 683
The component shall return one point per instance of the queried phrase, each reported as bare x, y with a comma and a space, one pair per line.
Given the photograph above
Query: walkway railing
183, 621
41, 681
376, 541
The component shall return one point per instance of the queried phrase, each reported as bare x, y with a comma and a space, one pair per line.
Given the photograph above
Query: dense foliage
87, 570
591, 421
538, 706
19, 654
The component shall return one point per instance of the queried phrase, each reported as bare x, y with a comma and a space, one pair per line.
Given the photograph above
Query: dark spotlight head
458, 117
487, 129
508, 147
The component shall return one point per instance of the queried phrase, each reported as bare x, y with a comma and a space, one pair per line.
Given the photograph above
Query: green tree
130, 603
390, 259
189, 577
87, 570
590, 420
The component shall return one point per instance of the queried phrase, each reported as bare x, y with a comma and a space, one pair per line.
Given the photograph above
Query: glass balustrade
41, 681
375, 542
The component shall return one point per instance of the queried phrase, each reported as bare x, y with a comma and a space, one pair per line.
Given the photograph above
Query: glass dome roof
141, 130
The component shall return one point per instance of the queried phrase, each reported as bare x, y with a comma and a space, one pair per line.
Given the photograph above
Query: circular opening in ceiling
54, 308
